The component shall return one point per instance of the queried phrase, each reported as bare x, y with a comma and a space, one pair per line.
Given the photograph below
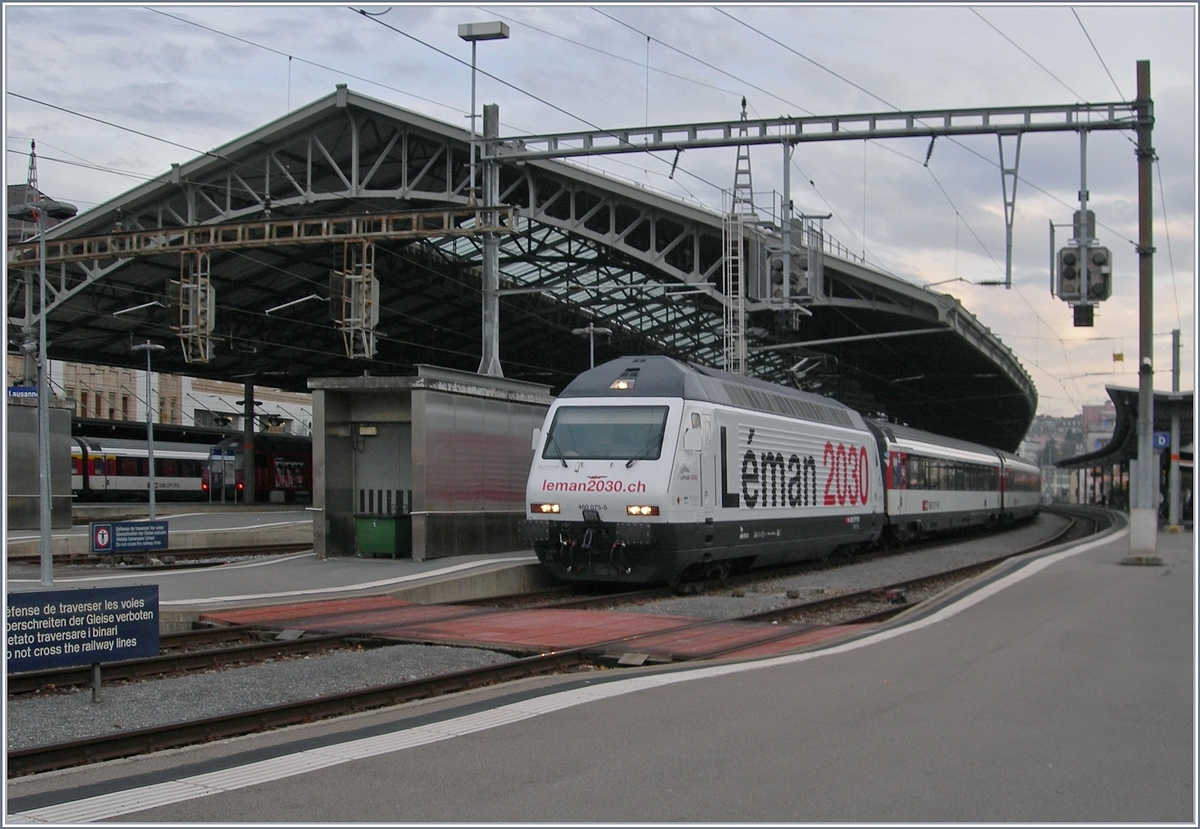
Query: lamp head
491, 30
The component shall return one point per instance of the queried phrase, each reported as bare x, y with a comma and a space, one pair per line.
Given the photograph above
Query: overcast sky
115, 94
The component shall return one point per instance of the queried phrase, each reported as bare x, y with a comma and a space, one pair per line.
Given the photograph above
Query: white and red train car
648, 469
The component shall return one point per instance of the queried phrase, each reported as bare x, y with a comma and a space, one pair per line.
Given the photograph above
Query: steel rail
32, 681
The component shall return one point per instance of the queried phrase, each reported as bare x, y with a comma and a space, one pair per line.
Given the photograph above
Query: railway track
861, 607
570, 597
184, 654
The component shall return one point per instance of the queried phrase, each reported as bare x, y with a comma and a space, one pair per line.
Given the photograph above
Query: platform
191, 526
1058, 689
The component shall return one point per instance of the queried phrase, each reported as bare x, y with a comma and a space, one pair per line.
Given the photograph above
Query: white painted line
245, 528
108, 806
82, 531
142, 574
313, 591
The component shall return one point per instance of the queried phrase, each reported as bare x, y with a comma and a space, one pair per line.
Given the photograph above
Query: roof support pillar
1173, 473
248, 444
489, 363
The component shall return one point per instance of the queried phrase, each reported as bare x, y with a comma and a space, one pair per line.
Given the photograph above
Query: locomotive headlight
641, 510
544, 508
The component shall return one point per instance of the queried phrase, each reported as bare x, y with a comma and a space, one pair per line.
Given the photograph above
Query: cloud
168, 78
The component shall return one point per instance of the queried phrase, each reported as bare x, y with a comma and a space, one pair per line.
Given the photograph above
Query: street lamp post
590, 331
37, 211
473, 33
489, 362
149, 348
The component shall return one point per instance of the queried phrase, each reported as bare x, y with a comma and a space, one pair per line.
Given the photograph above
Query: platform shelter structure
341, 238
1104, 476
425, 466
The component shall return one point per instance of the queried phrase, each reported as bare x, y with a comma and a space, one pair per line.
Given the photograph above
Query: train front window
617, 433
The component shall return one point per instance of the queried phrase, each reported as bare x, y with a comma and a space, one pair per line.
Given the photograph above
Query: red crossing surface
541, 630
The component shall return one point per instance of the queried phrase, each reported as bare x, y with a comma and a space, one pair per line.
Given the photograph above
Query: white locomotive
650, 470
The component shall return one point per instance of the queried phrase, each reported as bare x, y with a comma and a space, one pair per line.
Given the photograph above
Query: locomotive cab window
606, 433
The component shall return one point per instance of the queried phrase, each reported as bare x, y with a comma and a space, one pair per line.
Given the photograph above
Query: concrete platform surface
186, 593
189, 527
1061, 690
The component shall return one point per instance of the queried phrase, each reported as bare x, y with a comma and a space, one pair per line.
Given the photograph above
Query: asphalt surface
1062, 691
183, 517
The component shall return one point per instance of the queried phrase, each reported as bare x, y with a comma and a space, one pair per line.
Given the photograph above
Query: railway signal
1082, 271
1099, 274
1068, 275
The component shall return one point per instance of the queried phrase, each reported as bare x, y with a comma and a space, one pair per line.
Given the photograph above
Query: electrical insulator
1069, 283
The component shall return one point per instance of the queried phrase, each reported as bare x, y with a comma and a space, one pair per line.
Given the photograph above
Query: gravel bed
770, 593
56, 718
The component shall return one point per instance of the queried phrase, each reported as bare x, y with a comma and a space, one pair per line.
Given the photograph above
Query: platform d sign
102, 538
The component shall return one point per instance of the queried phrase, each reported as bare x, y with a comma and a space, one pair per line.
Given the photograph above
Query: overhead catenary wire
1098, 55
313, 63
1035, 186
1015, 45
654, 69
1167, 233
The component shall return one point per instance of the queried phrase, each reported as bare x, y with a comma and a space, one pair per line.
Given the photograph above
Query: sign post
115, 537
62, 628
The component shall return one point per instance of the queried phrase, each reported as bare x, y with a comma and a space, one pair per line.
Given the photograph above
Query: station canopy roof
274, 220
1123, 444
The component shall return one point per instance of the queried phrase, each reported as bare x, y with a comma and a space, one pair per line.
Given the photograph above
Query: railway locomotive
649, 470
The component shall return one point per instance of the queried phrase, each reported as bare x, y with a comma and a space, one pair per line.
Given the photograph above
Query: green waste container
383, 535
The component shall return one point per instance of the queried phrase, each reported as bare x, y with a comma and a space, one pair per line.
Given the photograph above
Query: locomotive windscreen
606, 432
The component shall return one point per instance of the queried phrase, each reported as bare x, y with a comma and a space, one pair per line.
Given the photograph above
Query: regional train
118, 469
650, 470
